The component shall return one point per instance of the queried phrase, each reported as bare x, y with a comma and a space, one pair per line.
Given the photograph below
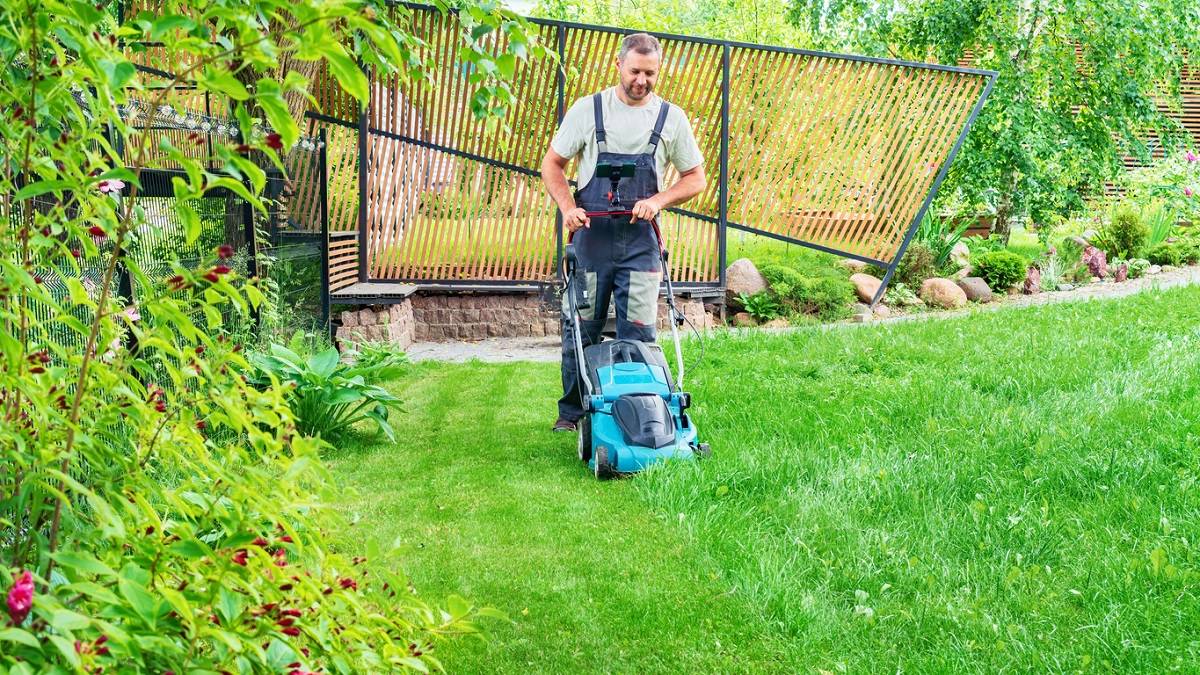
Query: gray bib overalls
619, 258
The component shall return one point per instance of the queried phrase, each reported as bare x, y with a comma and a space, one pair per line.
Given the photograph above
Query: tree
1077, 88
157, 512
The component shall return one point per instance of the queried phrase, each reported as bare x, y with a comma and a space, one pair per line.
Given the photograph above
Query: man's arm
691, 183
554, 176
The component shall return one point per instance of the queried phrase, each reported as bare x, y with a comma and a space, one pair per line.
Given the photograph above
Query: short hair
642, 43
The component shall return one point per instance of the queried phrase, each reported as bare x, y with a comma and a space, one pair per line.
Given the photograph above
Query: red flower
201, 425
97, 231
243, 148
222, 269
20, 598
285, 587
176, 283
286, 621
292, 630
224, 251
240, 557
281, 558
286, 538
348, 583
291, 612
212, 277
274, 141
260, 541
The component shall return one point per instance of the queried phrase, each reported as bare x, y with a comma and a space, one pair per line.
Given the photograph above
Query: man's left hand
646, 209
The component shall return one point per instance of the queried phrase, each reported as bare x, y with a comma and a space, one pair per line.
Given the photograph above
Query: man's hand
575, 219
647, 210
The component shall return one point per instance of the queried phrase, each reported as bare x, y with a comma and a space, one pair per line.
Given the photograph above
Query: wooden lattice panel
839, 152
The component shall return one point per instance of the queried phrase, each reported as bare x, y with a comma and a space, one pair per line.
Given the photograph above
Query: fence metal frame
722, 220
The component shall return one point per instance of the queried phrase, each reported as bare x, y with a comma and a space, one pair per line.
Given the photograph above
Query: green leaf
229, 606
270, 99
224, 82
41, 187
457, 606
190, 220
324, 363
142, 602
507, 63
346, 71
66, 649
169, 23
66, 620
84, 563
18, 635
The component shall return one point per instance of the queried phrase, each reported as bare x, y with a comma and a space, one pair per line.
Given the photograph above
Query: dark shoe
564, 424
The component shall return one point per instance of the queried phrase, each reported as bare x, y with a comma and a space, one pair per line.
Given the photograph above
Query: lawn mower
634, 415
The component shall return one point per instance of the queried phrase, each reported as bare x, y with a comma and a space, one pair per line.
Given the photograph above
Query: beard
635, 92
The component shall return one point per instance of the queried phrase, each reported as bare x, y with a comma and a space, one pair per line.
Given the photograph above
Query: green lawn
1012, 490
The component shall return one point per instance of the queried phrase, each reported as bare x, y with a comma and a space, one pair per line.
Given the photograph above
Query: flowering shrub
157, 512
1173, 181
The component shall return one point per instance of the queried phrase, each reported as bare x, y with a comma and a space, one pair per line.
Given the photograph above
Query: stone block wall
442, 318
392, 324
475, 317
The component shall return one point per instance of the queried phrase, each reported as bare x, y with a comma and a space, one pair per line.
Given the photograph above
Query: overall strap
598, 110
656, 134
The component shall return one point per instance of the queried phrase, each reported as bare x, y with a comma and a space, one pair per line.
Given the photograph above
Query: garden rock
1122, 273
853, 265
976, 289
865, 286
1033, 281
882, 311
742, 277
777, 323
943, 293
960, 255
743, 320
1153, 269
1065, 287
862, 313
1096, 261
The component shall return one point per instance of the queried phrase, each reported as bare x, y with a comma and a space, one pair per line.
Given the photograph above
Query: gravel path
500, 350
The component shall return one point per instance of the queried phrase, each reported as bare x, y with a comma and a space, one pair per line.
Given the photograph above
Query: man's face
638, 73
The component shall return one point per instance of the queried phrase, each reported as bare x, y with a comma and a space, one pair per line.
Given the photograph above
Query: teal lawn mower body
635, 415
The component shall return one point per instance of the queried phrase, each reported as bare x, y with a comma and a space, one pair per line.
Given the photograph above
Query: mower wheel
604, 469
585, 439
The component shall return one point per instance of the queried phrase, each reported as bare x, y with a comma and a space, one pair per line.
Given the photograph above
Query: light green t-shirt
627, 131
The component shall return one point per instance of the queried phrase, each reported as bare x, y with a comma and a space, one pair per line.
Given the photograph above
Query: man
619, 256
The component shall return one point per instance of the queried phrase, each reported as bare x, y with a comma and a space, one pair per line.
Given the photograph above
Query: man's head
638, 63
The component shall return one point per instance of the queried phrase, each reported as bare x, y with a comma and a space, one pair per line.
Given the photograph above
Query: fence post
362, 189
324, 178
559, 112
723, 186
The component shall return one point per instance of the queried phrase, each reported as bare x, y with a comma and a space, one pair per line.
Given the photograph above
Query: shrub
1125, 236
762, 306
822, 291
327, 397
159, 512
939, 235
1167, 254
1001, 269
917, 265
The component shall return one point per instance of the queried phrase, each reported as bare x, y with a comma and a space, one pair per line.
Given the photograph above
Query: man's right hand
575, 219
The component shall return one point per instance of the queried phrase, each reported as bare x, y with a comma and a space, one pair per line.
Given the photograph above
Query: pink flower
1187, 192
131, 313
110, 186
20, 598
1191, 156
